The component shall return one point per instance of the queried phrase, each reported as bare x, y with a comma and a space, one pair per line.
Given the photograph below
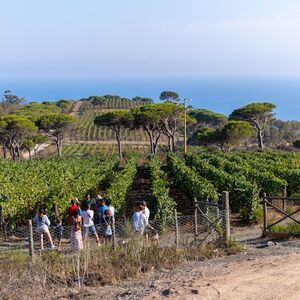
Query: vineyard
86, 138
27, 185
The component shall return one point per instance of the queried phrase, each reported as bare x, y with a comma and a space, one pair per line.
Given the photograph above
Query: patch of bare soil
261, 272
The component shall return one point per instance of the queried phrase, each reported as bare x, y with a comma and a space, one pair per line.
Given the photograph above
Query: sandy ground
257, 273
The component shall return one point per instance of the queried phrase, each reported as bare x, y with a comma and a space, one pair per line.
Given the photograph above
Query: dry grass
54, 272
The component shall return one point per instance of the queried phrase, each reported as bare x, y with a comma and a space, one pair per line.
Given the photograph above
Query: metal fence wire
204, 226
28, 272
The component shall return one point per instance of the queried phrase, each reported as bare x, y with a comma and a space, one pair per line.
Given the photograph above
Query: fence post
1, 218
30, 239
56, 212
226, 215
284, 195
196, 219
265, 211
176, 228
114, 234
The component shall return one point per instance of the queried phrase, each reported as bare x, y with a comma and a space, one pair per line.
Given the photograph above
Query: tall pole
184, 125
185, 139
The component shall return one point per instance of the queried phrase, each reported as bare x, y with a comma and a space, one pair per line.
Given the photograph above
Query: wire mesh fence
176, 230
28, 271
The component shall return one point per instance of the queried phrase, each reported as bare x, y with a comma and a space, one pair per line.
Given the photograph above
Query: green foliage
253, 111
11, 99
193, 184
203, 136
235, 132
164, 204
121, 185
64, 104
116, 102
34, 110
55, 122
114, 119
169, 96
258, 115
27, 185
243, 194
265, 180
143, 100
208, 118
14, 130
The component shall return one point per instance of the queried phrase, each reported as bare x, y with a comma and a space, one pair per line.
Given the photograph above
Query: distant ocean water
220, 95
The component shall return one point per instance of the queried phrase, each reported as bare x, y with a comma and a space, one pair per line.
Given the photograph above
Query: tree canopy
169, 96
208, 118
236, 132
35, 110
56, 126
258, 115
9, 98
149, 118
13, 131
145, 100
116, 121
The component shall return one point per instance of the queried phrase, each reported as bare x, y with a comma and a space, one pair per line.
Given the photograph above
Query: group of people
84, 217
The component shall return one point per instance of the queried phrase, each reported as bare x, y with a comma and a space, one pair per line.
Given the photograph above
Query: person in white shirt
111, 208
139, 220
88, 224
42, 225
146, 209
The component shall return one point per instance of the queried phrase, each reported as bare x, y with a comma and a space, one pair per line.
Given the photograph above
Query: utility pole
185, 139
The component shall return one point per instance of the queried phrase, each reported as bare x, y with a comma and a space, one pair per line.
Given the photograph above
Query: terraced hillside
86, 138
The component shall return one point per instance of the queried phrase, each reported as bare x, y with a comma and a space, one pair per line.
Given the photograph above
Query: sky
150, 38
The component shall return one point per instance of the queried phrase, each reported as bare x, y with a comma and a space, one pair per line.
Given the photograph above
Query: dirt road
267, 273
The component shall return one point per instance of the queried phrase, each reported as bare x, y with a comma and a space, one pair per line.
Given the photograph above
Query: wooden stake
176, 228
196, 219
30, 239
265, 211
226, 215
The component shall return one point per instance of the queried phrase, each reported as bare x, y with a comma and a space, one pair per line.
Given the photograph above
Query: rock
166, 292
194, 291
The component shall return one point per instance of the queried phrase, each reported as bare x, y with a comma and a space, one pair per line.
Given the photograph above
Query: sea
221, 95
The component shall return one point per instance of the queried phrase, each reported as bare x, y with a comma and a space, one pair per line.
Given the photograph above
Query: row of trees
156, 119
17, 132
210, 128
255, 119
26, 127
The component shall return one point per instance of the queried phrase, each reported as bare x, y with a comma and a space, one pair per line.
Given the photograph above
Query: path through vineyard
139, 192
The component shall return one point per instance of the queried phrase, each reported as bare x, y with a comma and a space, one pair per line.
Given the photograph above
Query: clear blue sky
160, 38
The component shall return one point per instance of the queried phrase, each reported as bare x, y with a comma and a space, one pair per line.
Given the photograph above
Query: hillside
86, 138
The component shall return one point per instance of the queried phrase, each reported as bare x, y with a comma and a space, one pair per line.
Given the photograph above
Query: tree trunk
13, 153
149, 132
18, 152
4, 150
173, 143
169, 143
155, 143
260, 137
59, 145
170, 132
29, 154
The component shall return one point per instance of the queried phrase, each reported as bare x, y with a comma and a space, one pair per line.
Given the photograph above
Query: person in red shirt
73, 207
